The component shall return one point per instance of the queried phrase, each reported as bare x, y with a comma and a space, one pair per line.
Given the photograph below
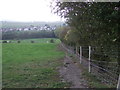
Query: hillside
11, 24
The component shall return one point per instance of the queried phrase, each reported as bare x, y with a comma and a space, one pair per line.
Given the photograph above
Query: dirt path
70, 72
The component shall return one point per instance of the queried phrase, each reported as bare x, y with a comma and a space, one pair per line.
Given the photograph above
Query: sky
27, 10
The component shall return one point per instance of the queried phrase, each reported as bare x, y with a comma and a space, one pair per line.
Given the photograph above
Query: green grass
32, 65
93, 82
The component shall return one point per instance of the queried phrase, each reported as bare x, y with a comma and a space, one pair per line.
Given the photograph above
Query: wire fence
106, 71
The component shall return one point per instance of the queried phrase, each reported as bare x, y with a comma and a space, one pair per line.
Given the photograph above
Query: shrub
51, 41
4, 42
18, 41
32, 41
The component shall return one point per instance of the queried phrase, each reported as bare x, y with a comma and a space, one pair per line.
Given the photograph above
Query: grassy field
32, 65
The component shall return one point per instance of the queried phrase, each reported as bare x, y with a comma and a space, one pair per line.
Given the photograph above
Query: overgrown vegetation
91, 23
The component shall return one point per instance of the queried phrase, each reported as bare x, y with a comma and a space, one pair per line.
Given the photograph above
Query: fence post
89, 58
80, 54
118, 85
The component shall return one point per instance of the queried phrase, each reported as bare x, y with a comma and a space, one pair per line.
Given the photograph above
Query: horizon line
27, 21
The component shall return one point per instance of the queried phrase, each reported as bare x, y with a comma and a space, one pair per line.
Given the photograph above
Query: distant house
20, 29
26, 29
11, 29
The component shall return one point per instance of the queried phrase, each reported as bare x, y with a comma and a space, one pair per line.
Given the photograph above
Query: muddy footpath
70, 72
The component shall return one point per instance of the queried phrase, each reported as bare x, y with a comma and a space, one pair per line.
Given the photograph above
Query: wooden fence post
89, 59
80, 54
118, 85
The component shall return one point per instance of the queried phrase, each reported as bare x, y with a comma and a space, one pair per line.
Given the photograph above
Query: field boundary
108, 75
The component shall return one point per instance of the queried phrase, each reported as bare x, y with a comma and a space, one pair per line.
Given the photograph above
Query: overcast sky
26, 10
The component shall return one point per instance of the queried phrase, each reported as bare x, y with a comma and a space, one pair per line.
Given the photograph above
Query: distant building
26, 29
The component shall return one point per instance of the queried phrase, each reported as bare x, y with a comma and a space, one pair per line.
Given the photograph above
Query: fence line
118, 85
106, 73
89, 59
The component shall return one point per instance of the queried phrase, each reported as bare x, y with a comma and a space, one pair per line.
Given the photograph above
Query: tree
95, 23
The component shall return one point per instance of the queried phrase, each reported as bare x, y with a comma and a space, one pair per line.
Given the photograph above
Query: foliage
32, 41
92, 23
27, 34
51, 41
61, 32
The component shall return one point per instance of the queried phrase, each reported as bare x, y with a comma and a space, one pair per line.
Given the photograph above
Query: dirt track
70, 72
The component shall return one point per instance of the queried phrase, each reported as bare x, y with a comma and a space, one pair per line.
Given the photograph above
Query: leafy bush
32, 41
18, 41
51, 41
4, 42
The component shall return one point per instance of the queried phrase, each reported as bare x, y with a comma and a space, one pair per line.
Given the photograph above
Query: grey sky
26, 10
